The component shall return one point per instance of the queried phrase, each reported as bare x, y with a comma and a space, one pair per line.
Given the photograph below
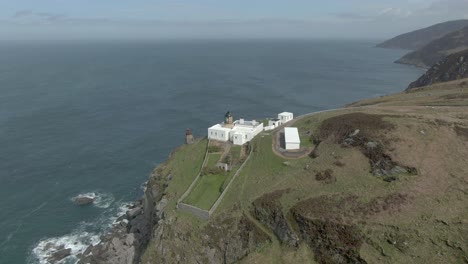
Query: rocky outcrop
59, 255
83, 200
268, 211
367, 133
453, 67
333, 242
128, 238
223, 240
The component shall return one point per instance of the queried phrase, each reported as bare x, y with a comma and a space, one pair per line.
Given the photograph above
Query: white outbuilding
291, 138
285, 117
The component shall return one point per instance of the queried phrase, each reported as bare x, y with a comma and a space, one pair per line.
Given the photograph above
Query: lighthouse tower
228, 120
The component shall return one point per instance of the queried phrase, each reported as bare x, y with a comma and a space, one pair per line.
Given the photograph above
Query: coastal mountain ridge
419, 38
453, 67
437, 50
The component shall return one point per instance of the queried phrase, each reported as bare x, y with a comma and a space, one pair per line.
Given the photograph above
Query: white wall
274, 123
218, 134
293, 146
285, 117
238, 139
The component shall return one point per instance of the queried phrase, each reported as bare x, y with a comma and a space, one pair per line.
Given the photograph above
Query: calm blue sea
98, 116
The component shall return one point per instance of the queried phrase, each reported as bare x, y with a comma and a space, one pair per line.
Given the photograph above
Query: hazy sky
152, 19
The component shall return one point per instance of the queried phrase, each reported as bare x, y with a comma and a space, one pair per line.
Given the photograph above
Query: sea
95, 117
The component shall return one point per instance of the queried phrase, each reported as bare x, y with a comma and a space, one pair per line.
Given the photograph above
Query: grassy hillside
387, 182
419, 38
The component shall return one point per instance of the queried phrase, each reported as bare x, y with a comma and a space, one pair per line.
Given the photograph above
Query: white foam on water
79, 239
101, 200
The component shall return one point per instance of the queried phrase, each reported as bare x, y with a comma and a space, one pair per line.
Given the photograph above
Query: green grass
210, 186
305, 141
235, 154
213, 159
206, 191
184, 165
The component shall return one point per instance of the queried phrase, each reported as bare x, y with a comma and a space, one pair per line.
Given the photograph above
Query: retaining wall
190, 188
220, 198
194, 210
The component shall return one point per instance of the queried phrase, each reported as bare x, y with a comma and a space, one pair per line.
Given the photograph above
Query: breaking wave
84, 235
77, 241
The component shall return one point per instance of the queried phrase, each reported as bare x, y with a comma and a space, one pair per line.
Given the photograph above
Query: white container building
291, 138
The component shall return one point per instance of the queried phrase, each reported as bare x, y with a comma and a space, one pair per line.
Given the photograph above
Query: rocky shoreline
127, 239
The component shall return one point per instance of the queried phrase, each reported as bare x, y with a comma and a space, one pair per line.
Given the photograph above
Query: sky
162, 19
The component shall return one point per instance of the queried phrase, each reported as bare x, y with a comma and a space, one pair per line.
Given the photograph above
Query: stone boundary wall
220, 198
194, 210
204, 214
190, 188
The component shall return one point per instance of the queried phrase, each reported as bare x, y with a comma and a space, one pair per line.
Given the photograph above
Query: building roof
219, 127
291, 135
285, 114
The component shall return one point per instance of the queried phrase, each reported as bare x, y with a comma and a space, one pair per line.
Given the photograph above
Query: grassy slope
210, 186
183, 165
430, 225
439, 154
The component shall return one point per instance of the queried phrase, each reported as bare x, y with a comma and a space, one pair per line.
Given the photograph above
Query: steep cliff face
126, 241
268, 211
222, 240
453, 67
419, 38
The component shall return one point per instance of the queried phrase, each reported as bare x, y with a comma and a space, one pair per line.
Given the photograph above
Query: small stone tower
188, 136
228, 119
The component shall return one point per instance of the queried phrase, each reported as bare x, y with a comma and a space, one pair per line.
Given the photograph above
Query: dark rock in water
83, 200
59, 255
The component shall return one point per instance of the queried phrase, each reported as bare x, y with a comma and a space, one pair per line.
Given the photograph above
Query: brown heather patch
341, 126
328, 224
462, 132
454, 96
325, 176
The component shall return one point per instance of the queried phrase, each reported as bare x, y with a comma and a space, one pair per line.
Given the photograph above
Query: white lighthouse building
238, 132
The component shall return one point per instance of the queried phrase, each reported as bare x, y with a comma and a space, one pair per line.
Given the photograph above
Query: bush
325, 176
212, 171
214, 149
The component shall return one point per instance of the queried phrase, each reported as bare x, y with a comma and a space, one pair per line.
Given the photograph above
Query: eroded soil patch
366, 132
